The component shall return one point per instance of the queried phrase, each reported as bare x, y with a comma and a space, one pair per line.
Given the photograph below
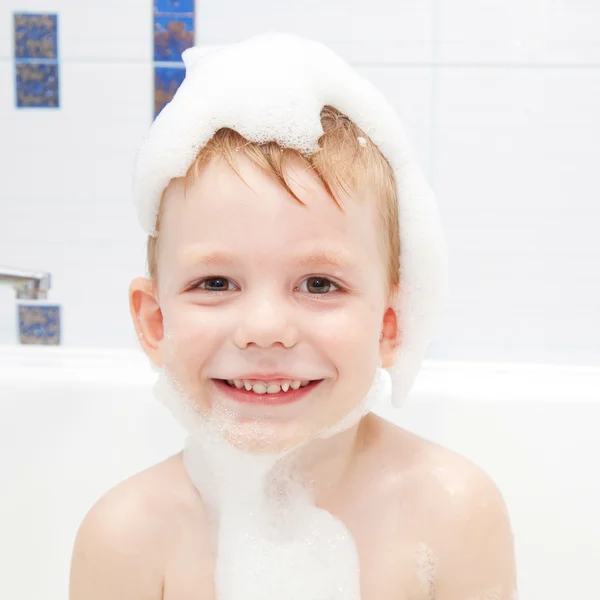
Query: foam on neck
271, 539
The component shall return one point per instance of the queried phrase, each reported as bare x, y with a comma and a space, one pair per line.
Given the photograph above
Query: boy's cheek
185, 323
350, 330
190, 344
192, 339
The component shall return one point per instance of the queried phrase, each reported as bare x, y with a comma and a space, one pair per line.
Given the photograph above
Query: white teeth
264, 387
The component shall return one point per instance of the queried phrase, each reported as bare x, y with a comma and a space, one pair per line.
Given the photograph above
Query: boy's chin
256, 437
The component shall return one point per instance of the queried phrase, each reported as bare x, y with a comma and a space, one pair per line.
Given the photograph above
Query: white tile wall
409, 91
499, 99
514, 169
379, 31
518, 31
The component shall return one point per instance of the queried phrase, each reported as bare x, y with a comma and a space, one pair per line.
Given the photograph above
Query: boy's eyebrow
193, 256
338, 259
331, 257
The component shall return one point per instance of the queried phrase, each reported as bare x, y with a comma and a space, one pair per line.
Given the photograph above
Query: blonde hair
347, 159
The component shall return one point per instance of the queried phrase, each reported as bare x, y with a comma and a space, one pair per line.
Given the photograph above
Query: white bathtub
74, 422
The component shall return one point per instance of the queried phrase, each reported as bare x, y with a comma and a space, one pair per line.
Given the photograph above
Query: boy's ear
388, 344
147, 317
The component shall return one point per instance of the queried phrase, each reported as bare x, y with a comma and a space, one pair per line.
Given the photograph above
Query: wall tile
408, 90
36, 36
37, 85
118, 31
166, 82
39, 324
172, 35
518, 32
375, 32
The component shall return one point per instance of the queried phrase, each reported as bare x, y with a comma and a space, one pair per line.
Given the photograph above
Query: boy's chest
390, 568
377, 582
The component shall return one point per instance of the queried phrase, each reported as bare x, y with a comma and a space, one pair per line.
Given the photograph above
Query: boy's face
245, 288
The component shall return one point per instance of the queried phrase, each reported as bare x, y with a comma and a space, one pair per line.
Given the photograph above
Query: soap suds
447, 477
271, 540
426, 569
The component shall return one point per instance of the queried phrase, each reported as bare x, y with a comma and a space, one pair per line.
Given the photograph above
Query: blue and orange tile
172, 35
166, 82
39, 324
37, 85
36, 36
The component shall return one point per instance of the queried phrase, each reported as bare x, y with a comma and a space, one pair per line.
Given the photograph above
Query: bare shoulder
433, 471
121, 544
455, 515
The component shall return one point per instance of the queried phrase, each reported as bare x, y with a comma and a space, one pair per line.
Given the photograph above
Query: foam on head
272, 88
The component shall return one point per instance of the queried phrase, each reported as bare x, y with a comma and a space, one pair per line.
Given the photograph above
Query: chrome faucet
28, 285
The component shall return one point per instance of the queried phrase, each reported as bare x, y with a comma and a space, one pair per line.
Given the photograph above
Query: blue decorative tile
173, 6
37, 85
172, 35
36, 36
39, 324
166, 82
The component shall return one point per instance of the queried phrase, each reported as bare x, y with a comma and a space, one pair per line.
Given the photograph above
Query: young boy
270, 306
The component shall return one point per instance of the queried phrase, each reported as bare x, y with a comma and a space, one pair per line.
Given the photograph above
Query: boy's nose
265, 323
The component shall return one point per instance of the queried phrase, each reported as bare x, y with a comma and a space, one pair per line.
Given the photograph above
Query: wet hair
347, 159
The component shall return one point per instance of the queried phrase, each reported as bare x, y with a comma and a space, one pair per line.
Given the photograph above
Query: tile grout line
391, 64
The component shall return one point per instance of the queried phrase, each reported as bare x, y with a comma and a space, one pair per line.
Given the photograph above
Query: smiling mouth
258, 394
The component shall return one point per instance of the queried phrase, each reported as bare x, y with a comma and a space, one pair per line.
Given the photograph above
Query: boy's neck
326, 464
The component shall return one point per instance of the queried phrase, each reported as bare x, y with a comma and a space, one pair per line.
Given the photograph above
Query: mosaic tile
36, 36
39, 325
166, 82
173, 6
37, 85
172, 35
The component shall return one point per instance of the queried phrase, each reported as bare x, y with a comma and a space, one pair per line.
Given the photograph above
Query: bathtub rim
462, 379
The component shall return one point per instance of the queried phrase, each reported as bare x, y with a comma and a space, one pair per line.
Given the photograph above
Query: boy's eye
319, 285
315, 285
215, 284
